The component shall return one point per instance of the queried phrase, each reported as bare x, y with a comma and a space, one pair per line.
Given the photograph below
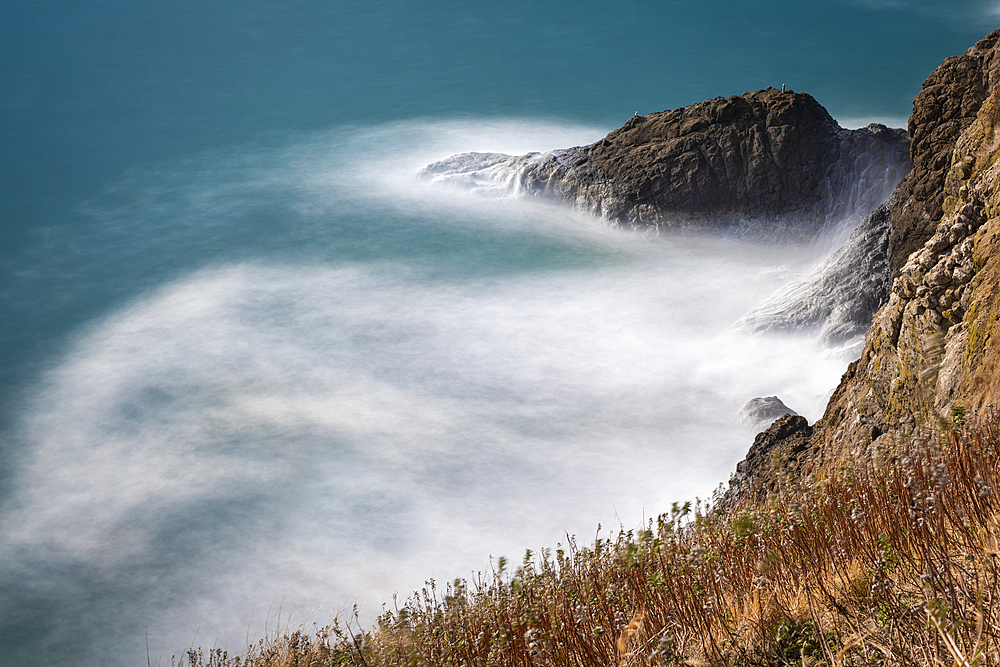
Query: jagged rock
839, 298
735, 161
758, 413
777, 453
947, 104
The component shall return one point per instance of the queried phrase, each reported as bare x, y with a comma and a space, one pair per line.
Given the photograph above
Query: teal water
254, 372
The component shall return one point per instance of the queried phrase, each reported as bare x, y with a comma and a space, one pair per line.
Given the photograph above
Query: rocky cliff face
935, 344
947, 104
767, 155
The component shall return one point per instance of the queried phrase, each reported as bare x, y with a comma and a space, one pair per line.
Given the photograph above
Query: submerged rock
770, 155
759, 413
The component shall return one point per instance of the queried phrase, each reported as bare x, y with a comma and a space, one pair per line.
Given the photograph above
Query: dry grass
893, 562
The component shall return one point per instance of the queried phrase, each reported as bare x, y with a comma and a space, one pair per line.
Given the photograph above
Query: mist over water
254, 371
327, 381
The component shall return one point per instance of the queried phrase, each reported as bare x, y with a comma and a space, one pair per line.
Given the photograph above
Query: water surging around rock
760, 164
839, 298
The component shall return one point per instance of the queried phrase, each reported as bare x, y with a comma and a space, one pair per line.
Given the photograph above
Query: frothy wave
327, 381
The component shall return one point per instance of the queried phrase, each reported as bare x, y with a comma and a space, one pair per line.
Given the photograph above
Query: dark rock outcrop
777, 453
764, 155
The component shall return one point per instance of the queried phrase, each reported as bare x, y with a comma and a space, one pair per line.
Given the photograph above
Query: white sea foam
856, 122
296, 424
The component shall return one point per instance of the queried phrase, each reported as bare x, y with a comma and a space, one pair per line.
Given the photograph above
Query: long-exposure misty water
256, 372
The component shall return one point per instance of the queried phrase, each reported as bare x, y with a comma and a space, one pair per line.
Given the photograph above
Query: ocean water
255, 372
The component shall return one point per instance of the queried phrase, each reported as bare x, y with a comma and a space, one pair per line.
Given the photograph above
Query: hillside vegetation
892, 563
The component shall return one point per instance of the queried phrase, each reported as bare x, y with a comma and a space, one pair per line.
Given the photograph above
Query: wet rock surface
838, 299
759, 413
